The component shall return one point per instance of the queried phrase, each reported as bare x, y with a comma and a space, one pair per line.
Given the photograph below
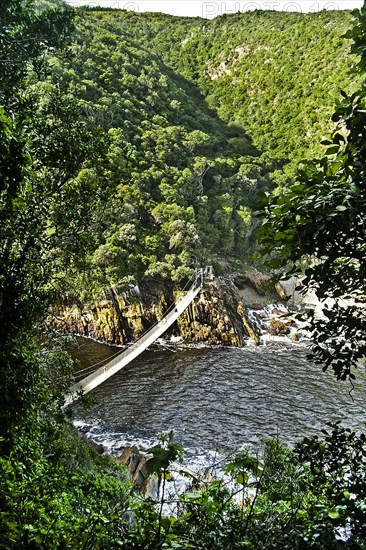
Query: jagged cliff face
117, 318
217, 316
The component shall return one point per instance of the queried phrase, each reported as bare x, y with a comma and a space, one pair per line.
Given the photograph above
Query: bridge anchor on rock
125, 357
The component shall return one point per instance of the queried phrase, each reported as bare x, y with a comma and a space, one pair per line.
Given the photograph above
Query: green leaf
242, 478
332, 150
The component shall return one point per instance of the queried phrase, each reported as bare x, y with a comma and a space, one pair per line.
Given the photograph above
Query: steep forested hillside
177, 170
275, 75
199, 116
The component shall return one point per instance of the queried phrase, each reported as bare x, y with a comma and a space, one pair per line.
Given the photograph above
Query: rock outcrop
135, 462
217, 316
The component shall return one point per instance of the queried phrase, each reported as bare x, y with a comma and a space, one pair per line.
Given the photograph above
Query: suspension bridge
125, 357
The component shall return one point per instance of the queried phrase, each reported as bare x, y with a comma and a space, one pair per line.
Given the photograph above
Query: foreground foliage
63, 496
309, 497
47, 188
55, 493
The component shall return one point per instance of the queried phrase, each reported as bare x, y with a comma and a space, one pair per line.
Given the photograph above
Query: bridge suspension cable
125, 357
81, 373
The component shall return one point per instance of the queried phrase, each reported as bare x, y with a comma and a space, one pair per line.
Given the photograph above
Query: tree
320, 219
27, 36
45, 194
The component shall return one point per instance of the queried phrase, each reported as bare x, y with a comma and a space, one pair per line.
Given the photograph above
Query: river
216, 399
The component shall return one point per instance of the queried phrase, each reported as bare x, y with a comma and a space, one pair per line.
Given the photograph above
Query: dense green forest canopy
178, 170
199, 116
275, 75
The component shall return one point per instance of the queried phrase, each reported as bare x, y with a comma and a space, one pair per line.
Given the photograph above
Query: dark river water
217, 398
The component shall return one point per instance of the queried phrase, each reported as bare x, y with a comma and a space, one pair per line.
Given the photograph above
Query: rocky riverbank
221, 313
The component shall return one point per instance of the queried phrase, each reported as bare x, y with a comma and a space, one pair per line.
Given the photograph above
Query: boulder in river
135, 461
